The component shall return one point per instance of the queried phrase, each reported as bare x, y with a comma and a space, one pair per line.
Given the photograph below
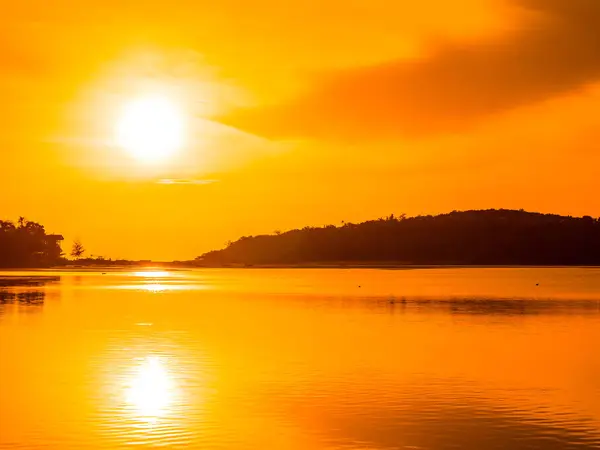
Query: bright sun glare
151, 129
151, 390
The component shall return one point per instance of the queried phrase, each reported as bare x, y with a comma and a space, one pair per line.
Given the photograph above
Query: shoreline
391, 266
176, 267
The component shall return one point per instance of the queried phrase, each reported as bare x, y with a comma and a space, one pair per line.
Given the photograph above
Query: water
301, 359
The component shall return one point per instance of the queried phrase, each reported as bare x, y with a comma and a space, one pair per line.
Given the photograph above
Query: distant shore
169, 266
387, 266
161, 265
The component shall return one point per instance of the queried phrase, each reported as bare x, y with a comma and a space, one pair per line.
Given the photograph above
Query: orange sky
298, 113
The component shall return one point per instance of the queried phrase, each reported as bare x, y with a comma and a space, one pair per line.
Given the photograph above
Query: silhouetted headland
486, 237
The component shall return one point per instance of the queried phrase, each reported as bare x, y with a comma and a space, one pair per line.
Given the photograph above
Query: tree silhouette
468, 237
77, 250
27, 244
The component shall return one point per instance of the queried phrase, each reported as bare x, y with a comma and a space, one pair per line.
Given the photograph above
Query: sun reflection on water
153, 280
151, 391
155, 287
152, 274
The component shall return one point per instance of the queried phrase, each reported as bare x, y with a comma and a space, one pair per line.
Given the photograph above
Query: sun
151, 129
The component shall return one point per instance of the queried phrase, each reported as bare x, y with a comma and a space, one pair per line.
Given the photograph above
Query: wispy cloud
457, 84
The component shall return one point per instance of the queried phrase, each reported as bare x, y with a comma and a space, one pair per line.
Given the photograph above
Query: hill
486, 237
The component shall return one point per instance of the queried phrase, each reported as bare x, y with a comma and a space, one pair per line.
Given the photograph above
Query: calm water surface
301, 359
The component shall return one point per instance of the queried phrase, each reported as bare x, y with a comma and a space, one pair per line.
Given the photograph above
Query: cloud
454, 86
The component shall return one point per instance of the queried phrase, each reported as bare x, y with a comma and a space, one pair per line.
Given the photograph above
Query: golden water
302, 359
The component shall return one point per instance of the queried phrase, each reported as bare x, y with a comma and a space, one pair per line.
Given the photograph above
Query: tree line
26, 244
485, 237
